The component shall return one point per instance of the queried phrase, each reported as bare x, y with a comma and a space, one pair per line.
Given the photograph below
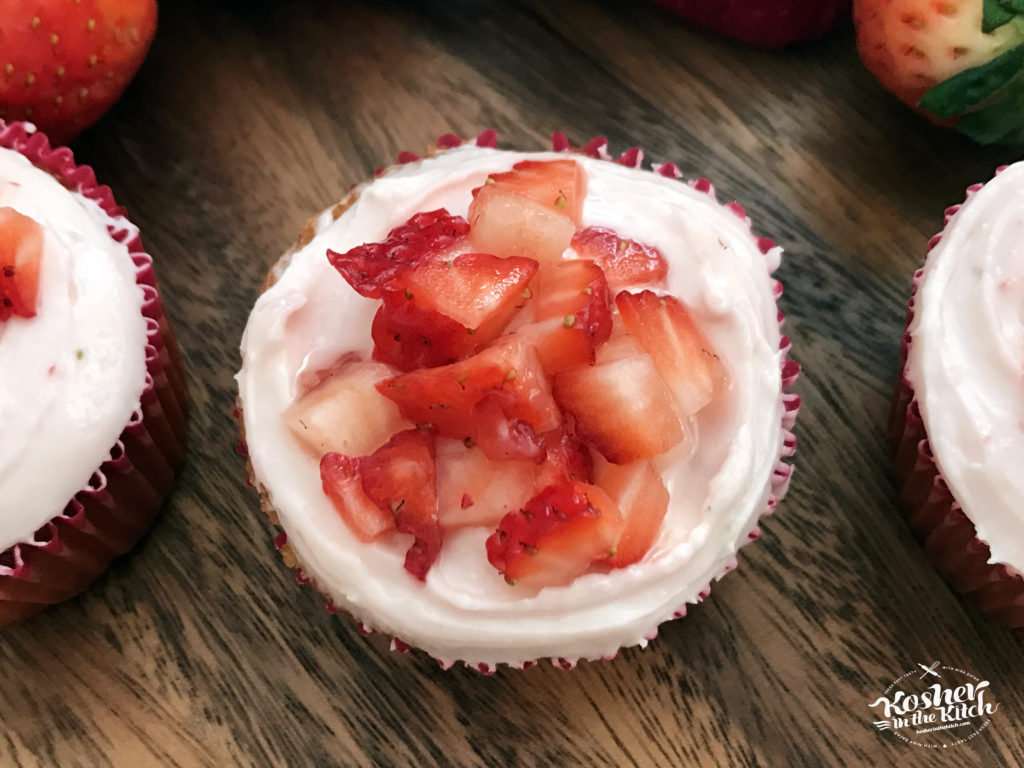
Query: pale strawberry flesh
576, 292
642, 498
684, 357
625, 262
345, 413
370, 268
507, 225
21, 250
530, 211
474, 490
559, 346
343, 486
620, 404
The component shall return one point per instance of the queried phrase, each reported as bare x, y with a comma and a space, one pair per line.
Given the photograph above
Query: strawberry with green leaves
958, 62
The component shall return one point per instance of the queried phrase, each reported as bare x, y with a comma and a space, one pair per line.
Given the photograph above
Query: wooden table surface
199, 649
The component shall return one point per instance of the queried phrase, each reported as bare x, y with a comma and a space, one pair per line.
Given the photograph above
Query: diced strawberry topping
683, 356
479, 291
343, 486
639, 493
625, 262
473, 490
499, 430
529, 211
345, 412
408, 336
559, 346
577, 292
21, 250
556, 536
440, 311
566, 458
558, 185
620, 404
371, 267
448, 396
509, 427
400, 477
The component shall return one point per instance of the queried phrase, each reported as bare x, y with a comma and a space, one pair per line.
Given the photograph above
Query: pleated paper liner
950, 538
106, 518
789, 371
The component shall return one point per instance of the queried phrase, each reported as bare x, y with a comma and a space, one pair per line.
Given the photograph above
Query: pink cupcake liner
789, 372
950, 538
107, 517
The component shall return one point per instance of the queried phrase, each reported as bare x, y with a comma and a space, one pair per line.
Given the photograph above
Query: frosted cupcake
511, 406
91, 396
958, 419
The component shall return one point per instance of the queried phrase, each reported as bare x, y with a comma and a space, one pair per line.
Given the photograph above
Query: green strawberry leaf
995, 14
1001, 121
1013, 6
966, 89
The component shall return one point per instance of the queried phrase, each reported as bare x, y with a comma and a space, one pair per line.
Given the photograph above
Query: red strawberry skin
21, 246
372, 267
64, 64
556, 536
764, 23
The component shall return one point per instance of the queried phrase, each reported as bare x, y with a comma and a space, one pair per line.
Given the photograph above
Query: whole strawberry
63, 63
956, 61
765, 23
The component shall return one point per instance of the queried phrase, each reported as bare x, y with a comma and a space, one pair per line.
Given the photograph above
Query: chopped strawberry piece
620, 404
371, 267
440, 311
447, 396
409, 337
558, 185
343, 486
479, 291
530, 211
576, 292
683, 356
559, 346
345, 412
640, 494
474, 490
400, 477
500, 433
566, 458
556, 536
21, 250
625, 262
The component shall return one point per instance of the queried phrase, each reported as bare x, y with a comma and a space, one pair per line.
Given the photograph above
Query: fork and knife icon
929, 670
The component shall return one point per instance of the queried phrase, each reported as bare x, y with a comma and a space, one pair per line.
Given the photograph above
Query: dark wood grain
199, 650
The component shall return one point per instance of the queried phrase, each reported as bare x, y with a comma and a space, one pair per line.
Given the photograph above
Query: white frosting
465, 610
70, 377
966, 361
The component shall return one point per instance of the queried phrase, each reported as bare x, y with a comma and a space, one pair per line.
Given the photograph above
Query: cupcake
958, 417
513, 406
91, 393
